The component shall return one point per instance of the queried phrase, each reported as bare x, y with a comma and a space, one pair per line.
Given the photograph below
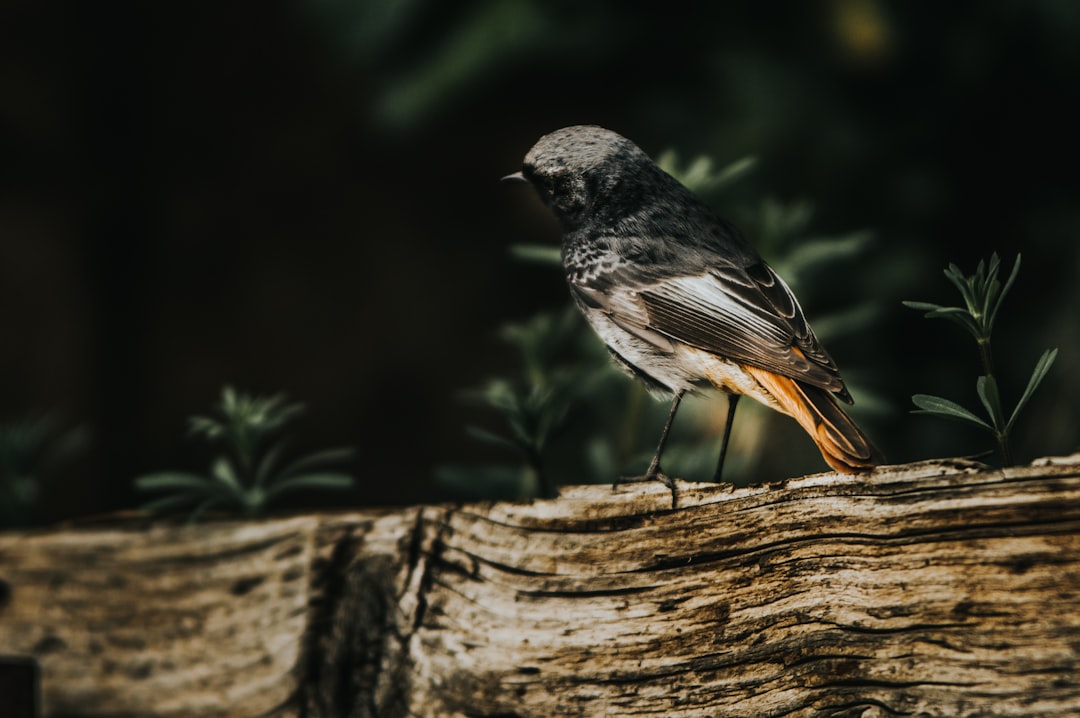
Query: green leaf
280, 415
229, 400
537, 253
946, 409
210, 428
267, 464
338, 455
961, 317
921, 306
698, 174
1041, 368
222, 470
252, 501
812, 253
175, 481
500, 395
957, 314
733, 172
310, 482
987, 388
948, 313
993, 311
956, 276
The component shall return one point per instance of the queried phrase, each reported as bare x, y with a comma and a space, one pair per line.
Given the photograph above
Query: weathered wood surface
941, 588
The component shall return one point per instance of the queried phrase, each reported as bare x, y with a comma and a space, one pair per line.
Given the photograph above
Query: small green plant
246, 475
983, 294
535, 404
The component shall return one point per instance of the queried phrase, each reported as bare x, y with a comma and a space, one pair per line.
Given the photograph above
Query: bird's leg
732, 404
654, 465
654, 472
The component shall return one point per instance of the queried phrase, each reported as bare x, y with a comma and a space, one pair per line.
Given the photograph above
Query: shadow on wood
939, 588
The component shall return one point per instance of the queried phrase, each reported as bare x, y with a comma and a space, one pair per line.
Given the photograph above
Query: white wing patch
708, 297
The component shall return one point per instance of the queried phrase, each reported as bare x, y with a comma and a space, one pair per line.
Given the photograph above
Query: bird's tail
844, 447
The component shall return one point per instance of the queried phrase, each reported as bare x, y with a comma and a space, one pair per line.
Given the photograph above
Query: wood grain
941, 588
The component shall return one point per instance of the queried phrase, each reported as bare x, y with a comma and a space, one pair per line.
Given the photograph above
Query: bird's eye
560, 186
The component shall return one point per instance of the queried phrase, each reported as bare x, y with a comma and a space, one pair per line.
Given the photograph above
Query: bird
683, 302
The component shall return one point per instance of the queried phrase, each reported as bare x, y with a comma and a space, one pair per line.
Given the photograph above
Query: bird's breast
586, 263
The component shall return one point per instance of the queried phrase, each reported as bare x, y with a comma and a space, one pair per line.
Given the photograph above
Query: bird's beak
516, 178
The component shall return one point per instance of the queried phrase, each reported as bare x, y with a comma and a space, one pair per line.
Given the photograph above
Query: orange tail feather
844, 447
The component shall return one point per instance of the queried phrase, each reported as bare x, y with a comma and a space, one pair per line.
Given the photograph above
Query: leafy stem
983, 294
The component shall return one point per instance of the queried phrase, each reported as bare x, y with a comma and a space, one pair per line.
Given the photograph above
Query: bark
940, 588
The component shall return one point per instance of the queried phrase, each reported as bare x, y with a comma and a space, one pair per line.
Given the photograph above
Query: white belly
682, 368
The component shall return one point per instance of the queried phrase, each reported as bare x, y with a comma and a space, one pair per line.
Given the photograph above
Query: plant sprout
246, 475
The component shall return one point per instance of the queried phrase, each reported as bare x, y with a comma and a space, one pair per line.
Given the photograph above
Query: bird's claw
652, 475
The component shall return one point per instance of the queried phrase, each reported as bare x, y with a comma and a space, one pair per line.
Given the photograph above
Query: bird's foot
653, 474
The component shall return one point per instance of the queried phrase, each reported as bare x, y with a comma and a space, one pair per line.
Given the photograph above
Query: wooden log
940, 588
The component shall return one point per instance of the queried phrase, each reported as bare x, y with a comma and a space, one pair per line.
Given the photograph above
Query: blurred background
304, 198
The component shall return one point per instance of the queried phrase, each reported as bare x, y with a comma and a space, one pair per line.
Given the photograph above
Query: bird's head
585, 172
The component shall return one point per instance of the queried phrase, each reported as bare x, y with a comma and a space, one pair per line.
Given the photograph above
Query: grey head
588, 174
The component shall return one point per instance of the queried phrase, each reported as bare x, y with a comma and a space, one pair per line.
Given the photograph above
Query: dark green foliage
558, 368
247, 474
30, 451
983, 295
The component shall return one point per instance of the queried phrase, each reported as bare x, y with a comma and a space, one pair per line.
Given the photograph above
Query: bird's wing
746, 315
